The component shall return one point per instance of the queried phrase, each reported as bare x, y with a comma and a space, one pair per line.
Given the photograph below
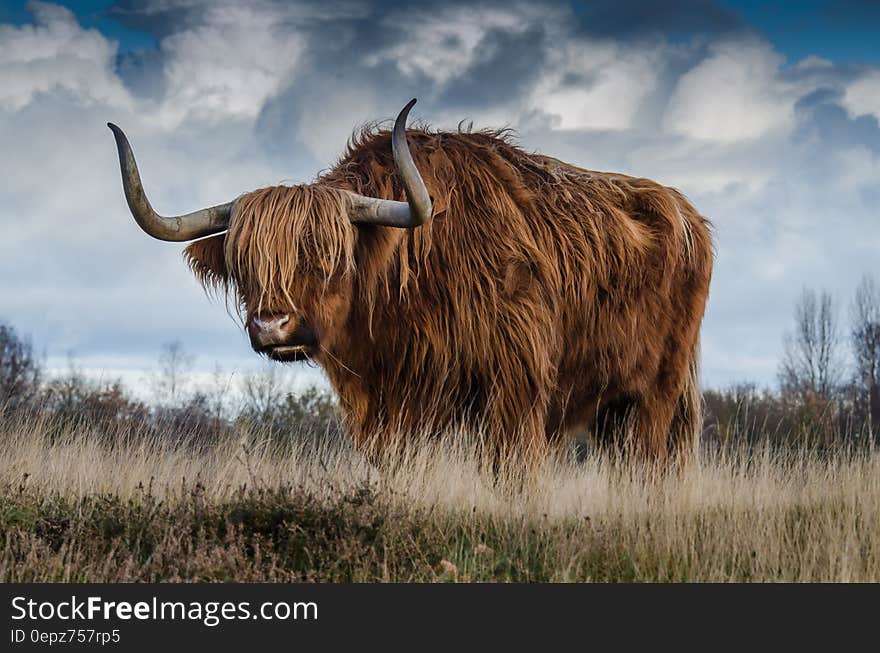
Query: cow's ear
207, 261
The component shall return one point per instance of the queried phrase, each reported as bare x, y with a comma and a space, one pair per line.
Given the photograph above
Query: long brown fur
541, 295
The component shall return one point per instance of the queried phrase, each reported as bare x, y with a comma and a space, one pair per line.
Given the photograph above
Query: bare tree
174, 367
865, 340
263, 393
812, 365
218, 392
64, 393
19, 370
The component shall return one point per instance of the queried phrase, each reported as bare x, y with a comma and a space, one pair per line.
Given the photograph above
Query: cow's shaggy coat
539, 297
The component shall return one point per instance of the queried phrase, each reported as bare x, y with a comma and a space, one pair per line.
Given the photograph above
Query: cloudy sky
767, 118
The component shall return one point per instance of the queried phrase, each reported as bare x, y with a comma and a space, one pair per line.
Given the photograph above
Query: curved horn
417, 210
203, 222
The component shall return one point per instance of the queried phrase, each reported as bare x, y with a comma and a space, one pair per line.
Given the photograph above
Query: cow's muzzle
282, 337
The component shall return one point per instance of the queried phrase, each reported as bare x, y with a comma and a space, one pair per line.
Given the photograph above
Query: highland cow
468, 285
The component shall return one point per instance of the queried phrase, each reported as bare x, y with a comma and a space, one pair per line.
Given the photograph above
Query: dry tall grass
247, 509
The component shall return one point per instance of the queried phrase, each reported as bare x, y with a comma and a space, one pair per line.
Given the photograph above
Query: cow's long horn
203, 222
417, 210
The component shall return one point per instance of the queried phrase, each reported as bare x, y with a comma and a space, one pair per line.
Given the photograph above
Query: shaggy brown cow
510, 291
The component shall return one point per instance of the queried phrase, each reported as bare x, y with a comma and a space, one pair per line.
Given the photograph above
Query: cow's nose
270, 322
269, 329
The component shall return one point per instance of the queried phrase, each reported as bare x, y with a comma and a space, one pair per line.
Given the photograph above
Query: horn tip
404, 113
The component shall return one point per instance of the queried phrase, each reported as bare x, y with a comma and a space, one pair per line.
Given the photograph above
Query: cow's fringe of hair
307, 238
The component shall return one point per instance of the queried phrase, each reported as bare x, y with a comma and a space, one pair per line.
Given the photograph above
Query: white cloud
862, 97
595, 85
329, 113
814, 63
228, 66
443, 44
734, 94
55, 54
859, 169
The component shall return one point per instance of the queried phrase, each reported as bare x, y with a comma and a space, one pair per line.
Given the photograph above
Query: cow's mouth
288, 353
287, 342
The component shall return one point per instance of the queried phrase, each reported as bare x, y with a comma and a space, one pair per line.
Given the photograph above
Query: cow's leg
516, 420
369, 439
687, 420
636, 426
613, 425
554, 425
517, 430
652, 420
364, 420
668, 413
519, 390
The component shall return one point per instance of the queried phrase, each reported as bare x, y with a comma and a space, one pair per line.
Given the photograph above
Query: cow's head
285, 252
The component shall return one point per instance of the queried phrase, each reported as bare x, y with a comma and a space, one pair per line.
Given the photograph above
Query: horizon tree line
823, 395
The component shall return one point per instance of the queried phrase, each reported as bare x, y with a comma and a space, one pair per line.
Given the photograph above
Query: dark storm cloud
626, 19
822, 117
160, 19
342, 40
504, 64
165, 17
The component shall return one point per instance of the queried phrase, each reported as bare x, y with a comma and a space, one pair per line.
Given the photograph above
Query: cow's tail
687, 424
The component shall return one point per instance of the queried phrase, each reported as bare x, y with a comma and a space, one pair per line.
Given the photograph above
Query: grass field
76, 505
